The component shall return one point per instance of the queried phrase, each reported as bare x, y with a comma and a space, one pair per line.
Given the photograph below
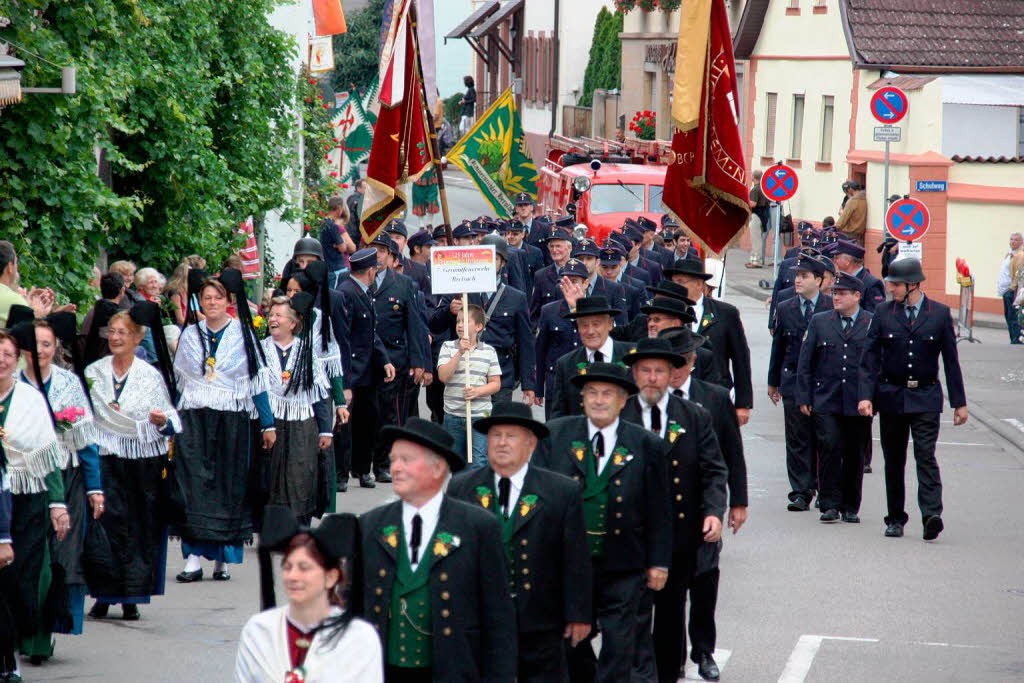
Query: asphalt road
799, 600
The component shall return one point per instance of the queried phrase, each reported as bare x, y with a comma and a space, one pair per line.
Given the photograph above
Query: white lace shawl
31, 444
295, 405
231, 388
66, 391
126, 430
330, 359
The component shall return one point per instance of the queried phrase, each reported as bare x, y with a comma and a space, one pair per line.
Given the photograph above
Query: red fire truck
603, 181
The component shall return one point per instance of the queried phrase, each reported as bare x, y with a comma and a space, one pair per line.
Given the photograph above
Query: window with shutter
771, 101
798, 127
827, 115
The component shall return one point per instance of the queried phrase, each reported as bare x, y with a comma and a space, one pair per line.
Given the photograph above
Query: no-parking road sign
779, 183
907, 219
889, 105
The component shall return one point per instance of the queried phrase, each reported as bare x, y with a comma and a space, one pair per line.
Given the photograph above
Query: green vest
595, 499
409, 636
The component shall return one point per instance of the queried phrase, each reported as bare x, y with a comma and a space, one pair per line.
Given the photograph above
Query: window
827, 115
1020, 136
798, 126
654, 204
771, 100
616, 198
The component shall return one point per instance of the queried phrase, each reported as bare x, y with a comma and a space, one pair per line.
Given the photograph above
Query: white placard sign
455, 270
909, 250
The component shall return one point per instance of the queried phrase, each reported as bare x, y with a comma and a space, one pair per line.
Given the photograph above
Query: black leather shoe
707, 668
894, 530
221, 575
99, 610
130, 612
851, 518
383, 477
867, 469
341, 485
829, 516
798, 504
366, 481
190, 577
933, 527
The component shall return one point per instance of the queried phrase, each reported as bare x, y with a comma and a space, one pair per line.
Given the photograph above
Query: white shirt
429, 513
1003, 281
606, 350
610, 433
698, 311
645, 413
515, 487
685, 387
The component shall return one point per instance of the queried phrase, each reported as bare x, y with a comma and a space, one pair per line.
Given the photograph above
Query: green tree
605, 63
186, 102
360, 48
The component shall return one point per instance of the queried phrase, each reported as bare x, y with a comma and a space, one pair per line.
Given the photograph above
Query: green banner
493, 153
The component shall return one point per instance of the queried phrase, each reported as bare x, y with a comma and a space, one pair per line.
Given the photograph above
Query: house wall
979, 130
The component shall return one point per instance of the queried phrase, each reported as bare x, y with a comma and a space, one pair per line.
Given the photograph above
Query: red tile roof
902, 82
938, 35
988, 160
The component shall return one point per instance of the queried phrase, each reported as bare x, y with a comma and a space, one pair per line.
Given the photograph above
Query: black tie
847, 322
598, 357
911, 314
656, 419
807, 309
599, 446
504, 489
417, 532
679, 393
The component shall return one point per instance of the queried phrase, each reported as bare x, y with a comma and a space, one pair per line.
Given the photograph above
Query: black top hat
672, 291
654, 348
669, 306
682, 339
512, 413
688, 266
592, 305
612, 373
427, 434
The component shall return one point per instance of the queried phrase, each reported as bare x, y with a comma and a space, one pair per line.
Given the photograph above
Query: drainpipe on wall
554, 82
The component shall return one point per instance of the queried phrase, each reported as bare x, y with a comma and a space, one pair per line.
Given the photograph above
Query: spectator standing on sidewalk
1005, 286
355, 209
468, 103
758, 228
335, 240
854, 219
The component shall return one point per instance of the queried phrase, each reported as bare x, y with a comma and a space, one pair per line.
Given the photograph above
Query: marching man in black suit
541, 516
434, 572
621, 469
899, 377
594, 322
696, 490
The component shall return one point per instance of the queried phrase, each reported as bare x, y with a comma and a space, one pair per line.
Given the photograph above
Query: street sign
907, 219
909, 250
888, 133
931, 185
889, 105
779, 183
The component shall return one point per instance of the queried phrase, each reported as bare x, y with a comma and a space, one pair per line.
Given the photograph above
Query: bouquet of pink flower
66, 418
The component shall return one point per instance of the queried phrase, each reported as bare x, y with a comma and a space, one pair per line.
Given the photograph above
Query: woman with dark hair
72, 414
468, 103
31, 458
314, 638
135, 418
223, 378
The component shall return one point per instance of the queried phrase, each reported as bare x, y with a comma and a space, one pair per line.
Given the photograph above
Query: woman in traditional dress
223, 380
313, 639
34, 461
83, 489
135, 418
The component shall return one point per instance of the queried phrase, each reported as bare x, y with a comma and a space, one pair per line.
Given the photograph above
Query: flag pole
435, 152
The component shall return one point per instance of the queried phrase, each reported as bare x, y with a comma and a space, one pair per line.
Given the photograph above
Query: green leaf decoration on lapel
444, 542
526, 504
620, 455
706, 320
582, 367
484, 495
579, 449
674, 430
390, 535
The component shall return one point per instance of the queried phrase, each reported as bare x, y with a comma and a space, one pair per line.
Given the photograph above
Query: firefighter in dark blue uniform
548, 279
536, 228
793, 317
531, 258
899, 378
508, 329
633, 291
849, 258
826, 390
556, 334
587, 252
368, 367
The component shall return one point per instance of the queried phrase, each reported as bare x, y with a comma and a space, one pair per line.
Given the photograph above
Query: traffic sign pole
777, 247
885, 201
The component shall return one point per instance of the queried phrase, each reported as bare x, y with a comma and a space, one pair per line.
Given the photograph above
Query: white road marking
721, 657
947, 443
800, 659
1015, 422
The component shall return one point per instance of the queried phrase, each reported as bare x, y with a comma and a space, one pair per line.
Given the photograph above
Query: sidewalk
993, 370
